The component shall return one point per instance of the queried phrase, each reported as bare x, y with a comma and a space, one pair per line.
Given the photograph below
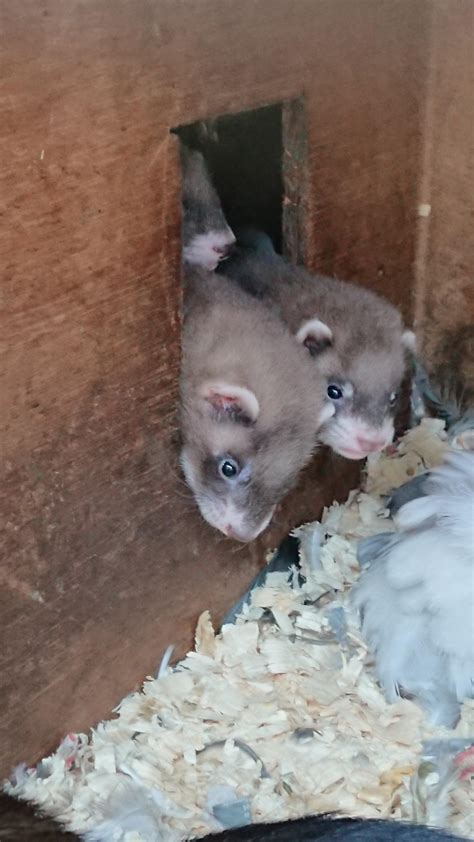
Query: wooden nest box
349, 128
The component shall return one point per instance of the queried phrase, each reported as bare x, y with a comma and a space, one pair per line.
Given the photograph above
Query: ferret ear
235, 403
409, 341
315, 336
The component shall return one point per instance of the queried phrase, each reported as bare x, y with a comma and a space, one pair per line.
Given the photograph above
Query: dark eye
228, 468
393, 398
335, 392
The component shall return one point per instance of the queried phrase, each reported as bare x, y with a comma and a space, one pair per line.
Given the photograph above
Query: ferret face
238, 467
237, 471
221, 470
363, 386
207, 238
363, 422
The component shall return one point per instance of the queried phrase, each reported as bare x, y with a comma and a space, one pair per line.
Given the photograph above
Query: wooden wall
105, 561
445, 264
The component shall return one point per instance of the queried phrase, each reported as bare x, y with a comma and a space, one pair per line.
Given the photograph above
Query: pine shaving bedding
279, 711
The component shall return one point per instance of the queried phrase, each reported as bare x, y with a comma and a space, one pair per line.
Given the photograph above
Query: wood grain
445, 258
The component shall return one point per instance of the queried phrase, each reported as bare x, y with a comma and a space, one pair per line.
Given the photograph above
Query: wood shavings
298, 692
204, 636
421, 448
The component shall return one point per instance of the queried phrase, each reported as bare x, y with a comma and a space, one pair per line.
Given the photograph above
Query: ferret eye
228, 468
335, 392
393, 398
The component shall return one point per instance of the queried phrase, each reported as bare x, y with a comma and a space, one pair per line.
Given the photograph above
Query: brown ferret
21, 822
207, 238
356, 337
252, 402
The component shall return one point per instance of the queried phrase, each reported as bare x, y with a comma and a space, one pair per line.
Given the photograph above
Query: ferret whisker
183, 495
239, 548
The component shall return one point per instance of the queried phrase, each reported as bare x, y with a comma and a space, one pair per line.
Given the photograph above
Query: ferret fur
416, 600
21, 822
445, 395
249, 391
356, 337
329, 829
206, 236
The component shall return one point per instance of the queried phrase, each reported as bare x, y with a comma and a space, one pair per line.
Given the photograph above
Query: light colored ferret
356, 337
206, 236
251, 405
417, 598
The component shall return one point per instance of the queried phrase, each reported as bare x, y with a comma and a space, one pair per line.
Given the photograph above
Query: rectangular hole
258, 163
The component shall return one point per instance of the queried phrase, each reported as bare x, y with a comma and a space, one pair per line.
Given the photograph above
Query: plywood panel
104, 559
445, 267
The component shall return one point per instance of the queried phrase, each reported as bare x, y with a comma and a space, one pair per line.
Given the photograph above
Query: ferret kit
252, 404
279, 714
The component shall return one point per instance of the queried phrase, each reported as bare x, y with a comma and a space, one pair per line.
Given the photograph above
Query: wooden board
445, 259
105, 560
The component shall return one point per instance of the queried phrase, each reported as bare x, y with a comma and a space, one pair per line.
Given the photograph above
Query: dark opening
244, 155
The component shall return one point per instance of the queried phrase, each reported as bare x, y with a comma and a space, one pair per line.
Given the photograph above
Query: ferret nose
231, 533
223, 251
371, 445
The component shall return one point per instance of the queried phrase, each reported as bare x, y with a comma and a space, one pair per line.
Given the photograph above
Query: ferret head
355, 336
252, 402
207, 238
364, 372
237, 468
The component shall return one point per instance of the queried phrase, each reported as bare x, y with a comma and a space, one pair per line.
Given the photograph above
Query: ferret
206, 236
330, 829
445, 395
251, 405
416, 599
21, 822
356, 337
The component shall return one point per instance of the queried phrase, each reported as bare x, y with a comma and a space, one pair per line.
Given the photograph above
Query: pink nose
223, 251
231, 533
370, 445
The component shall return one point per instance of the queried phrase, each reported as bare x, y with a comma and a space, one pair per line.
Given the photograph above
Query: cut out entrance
258, 163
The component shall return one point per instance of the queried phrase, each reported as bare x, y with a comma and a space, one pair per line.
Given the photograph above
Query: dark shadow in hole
244, 154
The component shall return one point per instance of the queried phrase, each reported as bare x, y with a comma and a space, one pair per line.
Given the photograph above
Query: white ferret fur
416, 600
